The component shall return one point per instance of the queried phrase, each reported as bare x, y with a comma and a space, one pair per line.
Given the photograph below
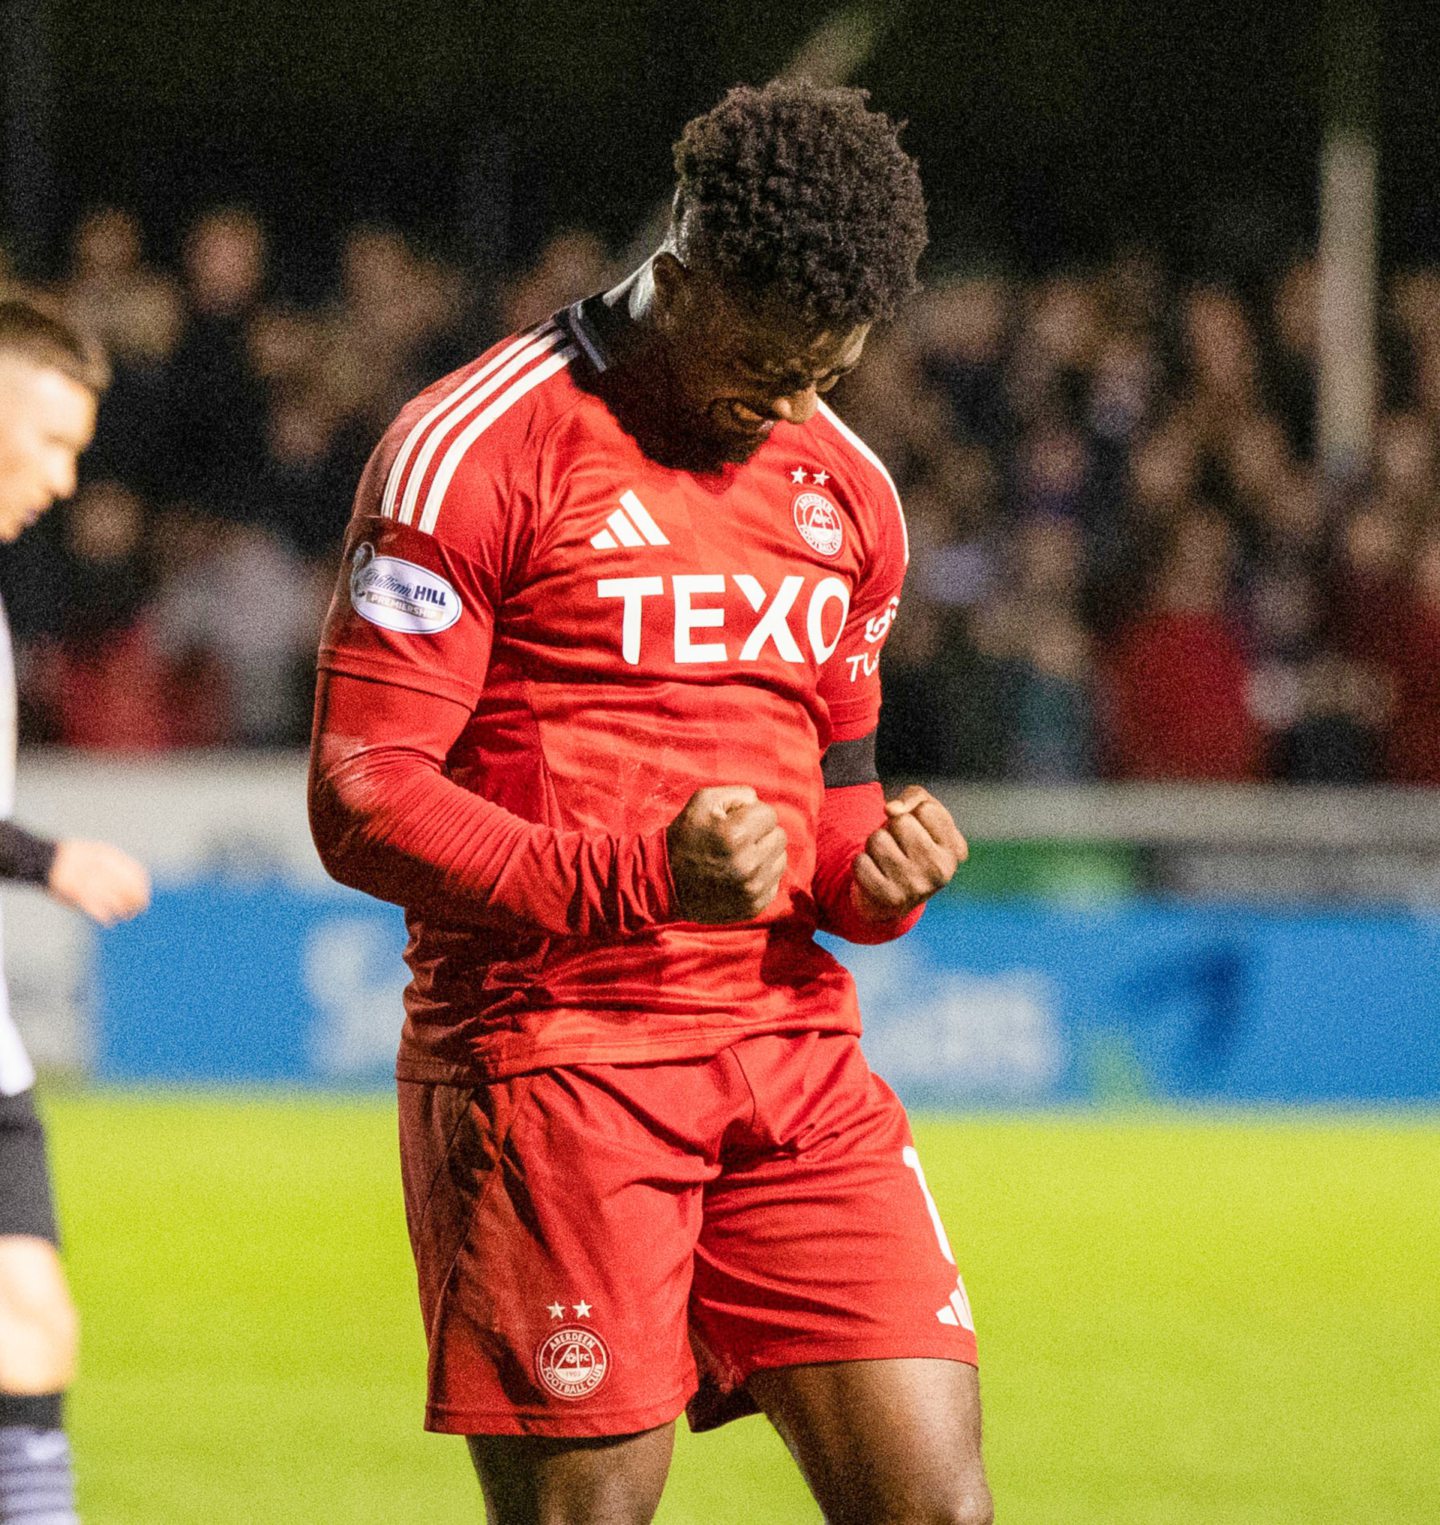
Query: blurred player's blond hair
35, 330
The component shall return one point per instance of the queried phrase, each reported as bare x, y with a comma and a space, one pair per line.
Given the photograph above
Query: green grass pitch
1233, 1321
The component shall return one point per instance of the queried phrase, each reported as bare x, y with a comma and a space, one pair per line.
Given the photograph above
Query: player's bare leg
883, 1442
533, 1480
37, 1361
38, 1325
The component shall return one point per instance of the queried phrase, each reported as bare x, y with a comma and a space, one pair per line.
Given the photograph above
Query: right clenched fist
727, 854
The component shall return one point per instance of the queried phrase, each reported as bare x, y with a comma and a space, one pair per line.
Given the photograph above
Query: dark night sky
1047, 129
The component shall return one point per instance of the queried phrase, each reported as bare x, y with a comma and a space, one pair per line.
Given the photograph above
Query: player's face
46, 421
738, 373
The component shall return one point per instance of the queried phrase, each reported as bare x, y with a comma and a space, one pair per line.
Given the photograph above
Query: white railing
1210, 815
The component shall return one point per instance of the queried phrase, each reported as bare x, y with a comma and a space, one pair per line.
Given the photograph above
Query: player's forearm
388, 821
24, 857
847, 817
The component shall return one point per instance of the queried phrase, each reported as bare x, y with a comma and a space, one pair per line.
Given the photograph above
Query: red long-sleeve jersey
542, 643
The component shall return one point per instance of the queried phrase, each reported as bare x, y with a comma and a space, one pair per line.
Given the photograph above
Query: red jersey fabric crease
621, 633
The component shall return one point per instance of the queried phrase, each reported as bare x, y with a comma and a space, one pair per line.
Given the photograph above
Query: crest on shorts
818, 521
572, 1362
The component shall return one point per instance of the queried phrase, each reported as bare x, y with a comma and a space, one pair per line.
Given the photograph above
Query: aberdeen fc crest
818, 521
572, 1362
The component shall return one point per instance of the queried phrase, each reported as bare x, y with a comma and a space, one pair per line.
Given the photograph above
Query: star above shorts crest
557, 1310
821, 478
582, 1309
798, 475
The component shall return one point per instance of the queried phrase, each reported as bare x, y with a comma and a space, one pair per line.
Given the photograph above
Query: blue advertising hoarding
236, 982
1004, 1004
1025, 1004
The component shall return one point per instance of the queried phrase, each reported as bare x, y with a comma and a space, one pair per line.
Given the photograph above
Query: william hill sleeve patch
400, 595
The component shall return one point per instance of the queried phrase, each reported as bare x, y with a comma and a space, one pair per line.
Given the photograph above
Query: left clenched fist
915, 853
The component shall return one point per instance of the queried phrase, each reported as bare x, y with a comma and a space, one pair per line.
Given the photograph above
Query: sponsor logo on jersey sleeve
878, 627
398, 595
866, 664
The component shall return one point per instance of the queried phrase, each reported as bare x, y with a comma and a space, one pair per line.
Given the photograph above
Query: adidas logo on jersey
630, 525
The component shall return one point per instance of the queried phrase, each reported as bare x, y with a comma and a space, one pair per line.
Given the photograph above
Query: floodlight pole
1347, 382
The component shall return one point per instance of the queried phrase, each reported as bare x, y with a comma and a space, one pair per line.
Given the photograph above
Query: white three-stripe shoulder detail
458, 403
848, 433
437, 436
450, 463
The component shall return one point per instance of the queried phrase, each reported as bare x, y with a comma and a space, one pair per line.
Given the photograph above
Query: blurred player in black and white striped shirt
50, 382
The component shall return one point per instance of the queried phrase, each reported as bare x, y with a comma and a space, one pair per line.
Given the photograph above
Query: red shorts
599, 1246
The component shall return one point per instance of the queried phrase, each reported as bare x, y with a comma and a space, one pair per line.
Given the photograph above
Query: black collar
597, 328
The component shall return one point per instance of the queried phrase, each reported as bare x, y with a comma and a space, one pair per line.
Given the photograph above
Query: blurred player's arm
24, 857
94, 877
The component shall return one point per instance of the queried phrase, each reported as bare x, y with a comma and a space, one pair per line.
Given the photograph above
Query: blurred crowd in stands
1125, 563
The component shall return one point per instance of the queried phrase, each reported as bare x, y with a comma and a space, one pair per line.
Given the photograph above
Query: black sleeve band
24, 856
850, 762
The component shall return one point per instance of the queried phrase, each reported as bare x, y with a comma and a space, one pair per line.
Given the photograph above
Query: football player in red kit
598, 699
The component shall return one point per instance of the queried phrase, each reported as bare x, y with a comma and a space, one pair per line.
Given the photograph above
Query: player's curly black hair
802, 196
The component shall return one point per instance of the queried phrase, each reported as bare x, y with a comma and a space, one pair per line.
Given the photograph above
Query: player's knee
976, 1507
972, 1509
39, 1329
63, 1328
37, 1357
972, 1505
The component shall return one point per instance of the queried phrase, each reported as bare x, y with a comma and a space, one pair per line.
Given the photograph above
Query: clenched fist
727, 854
100, 880
915, 853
